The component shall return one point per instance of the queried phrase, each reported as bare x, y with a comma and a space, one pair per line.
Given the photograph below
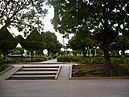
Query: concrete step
31, 77
45, 66
36, 73
39, 69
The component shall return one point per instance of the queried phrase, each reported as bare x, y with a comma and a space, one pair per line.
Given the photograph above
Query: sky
47, 26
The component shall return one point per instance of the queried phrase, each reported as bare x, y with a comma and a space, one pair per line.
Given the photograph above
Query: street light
65, 35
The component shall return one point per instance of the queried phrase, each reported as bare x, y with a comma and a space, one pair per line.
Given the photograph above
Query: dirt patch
98, 71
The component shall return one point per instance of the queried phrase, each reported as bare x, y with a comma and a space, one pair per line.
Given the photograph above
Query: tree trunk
84, 52
32, 55
122, 53
107, 60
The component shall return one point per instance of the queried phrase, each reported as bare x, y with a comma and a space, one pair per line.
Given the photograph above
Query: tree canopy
81, 41
5, 35
23, 14
52, 44
33, 41
106, 19
7, 41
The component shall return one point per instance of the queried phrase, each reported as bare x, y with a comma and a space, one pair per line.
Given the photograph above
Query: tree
81, 41
33, 42
18, 50
23, 14
122, 43
106, 18
52, 44
7, 42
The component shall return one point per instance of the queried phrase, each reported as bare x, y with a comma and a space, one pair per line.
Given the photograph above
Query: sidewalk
62, 87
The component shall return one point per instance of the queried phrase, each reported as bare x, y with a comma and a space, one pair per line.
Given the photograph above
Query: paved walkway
65, 88
62, 87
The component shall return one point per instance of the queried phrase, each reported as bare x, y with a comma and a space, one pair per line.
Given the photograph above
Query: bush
117, 60
82, 60
64, 59
39, 59
3, 67
92, 60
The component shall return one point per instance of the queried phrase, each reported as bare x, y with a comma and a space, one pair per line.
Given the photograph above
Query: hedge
91, 60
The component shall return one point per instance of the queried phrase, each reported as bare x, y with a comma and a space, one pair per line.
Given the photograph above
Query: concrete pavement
65, 88
62, 87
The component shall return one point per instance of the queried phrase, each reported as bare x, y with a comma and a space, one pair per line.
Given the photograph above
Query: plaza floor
62, 87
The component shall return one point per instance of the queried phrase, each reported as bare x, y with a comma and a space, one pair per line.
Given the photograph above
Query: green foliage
115, 53
33, 45
23, 14
82, 60
3, 67
122, 43
7, 42
120, 60
39, 59
52, 44
35, 59
18, 50
106, 17
7, 45
34, 36
64, 59
19, 39
80, 41
92, 60
33, 41
5, 35
117, 60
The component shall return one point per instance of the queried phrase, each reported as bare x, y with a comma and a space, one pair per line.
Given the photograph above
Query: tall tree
7, 42
52, 44
122, 43
81, 41
106, 17
33, 42
23, 14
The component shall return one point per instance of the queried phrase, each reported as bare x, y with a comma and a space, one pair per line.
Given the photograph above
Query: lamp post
64, 43
65, 35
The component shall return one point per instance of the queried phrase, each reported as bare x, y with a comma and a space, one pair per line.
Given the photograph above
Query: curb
33, 63
6, 70
12, 73
70, 75
99, 78
59, 70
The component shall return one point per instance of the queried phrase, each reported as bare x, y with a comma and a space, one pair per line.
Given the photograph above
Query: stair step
32, 77
36, 73
39, 69
45, 66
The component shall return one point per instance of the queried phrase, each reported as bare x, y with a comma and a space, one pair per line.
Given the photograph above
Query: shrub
92, 60
117, 60
64, 59
3, 67
39, 59
82, 60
